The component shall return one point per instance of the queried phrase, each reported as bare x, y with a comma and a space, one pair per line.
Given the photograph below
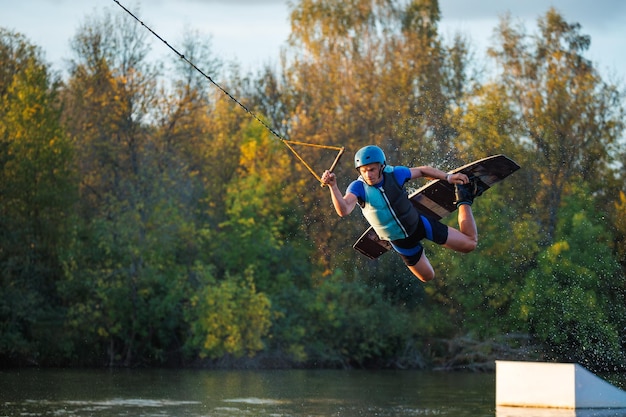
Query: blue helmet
369, 155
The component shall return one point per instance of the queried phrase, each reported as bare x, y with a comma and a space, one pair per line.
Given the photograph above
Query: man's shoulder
357, 187
396, 168
401, 173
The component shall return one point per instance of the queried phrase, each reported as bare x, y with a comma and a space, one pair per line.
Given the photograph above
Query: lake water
302, 393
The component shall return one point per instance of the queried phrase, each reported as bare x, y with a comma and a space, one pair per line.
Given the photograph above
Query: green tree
573, 301
619, 216
262, 229
478, 289
229, 317
37, 194
350, 324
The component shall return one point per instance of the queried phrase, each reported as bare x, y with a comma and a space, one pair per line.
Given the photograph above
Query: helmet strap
380, 171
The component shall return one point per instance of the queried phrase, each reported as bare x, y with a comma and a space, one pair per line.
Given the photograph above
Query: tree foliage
230, 318
573, 300
570, 117
37, 192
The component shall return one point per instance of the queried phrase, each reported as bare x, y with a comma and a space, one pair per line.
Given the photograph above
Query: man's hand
328, 178
458, 178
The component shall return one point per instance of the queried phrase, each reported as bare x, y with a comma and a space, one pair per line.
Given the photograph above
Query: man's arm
437, 174
343, 204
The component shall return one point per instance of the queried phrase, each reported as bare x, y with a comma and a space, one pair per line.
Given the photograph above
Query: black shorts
411, 249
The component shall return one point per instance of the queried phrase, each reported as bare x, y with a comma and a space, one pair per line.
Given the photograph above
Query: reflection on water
245, 393
259, 394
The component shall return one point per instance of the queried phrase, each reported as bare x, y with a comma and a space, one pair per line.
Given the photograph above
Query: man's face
371, 173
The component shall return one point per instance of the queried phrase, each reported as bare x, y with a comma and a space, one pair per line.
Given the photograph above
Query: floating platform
554, 385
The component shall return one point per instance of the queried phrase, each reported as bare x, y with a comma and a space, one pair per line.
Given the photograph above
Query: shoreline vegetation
458, 354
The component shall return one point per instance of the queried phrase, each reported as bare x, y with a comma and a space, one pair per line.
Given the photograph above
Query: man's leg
466, 238
423, 270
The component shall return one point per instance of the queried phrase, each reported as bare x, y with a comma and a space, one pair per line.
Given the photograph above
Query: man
380, 193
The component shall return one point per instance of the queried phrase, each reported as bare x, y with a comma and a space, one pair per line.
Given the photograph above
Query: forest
147, 220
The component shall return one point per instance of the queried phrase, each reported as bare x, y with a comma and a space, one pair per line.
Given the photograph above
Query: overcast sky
252, 31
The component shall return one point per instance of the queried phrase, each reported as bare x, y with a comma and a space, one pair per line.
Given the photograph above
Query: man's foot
465, 193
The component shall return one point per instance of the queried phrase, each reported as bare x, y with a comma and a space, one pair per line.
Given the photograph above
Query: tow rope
288, 143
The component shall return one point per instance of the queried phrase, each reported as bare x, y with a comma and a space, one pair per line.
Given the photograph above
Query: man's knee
425, 277
469, 246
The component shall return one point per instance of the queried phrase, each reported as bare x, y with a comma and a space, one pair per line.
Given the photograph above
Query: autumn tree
368, 72
37, 195
568, 117
125, 283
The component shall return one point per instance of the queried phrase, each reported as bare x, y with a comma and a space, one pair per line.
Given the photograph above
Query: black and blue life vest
388, 208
